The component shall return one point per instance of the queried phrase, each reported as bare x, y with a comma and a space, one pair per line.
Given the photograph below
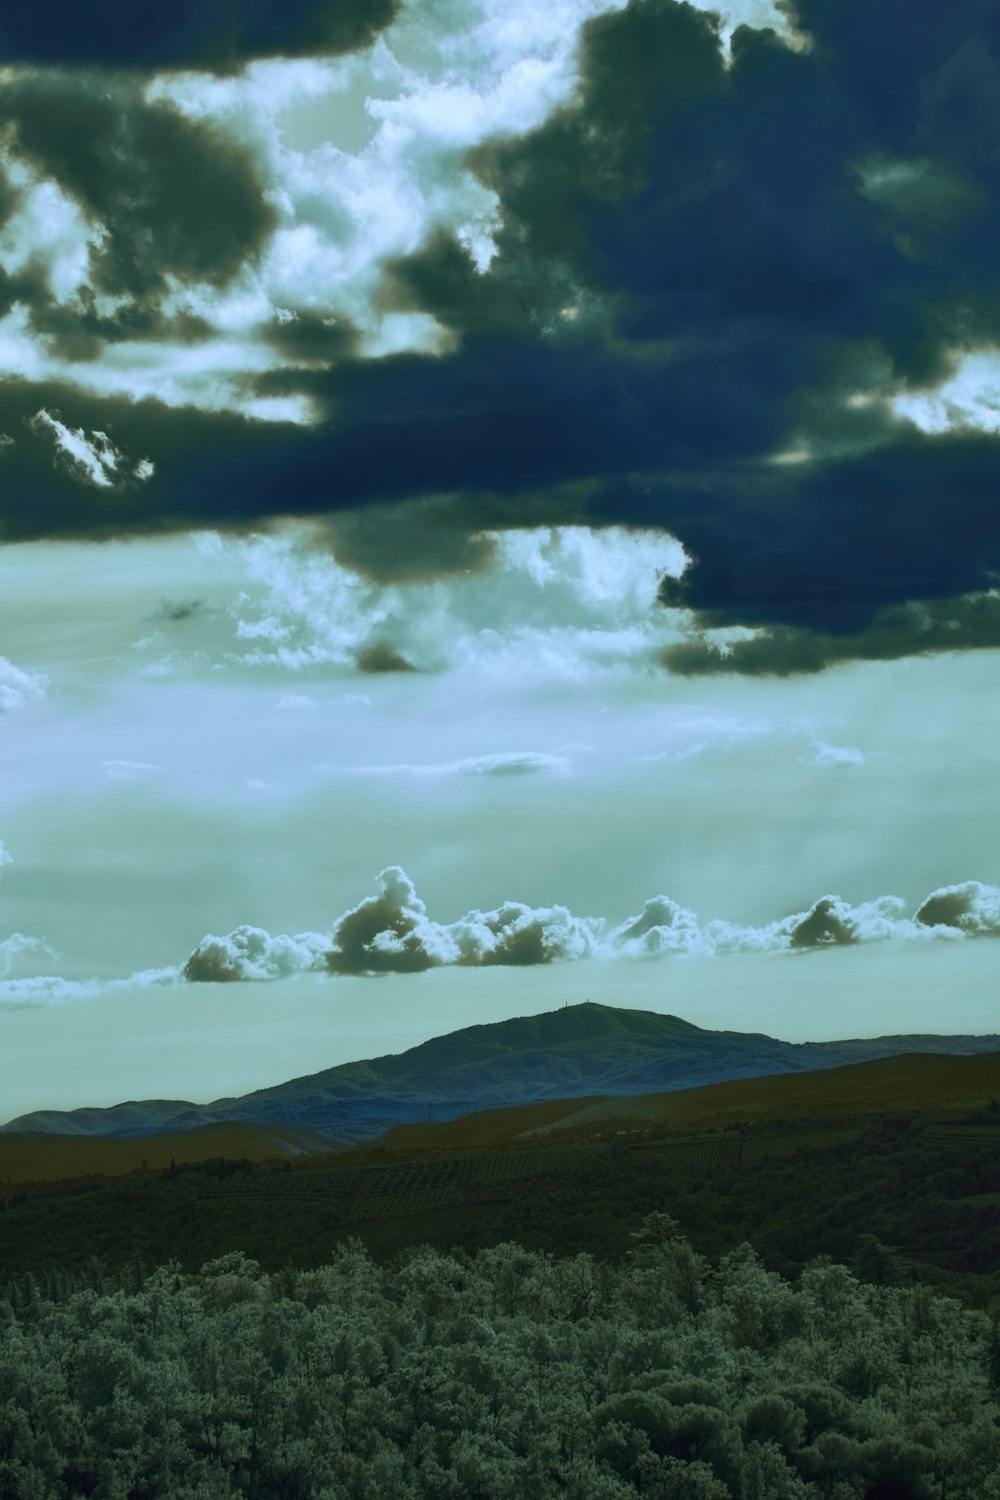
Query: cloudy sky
497, 507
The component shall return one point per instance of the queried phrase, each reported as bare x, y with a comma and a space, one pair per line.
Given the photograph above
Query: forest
928, 1189
510, 1372
765, 1314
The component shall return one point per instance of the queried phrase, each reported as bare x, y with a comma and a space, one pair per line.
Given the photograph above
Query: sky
497, 509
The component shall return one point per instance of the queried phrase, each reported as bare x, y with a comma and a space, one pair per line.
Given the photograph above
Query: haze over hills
574, 1052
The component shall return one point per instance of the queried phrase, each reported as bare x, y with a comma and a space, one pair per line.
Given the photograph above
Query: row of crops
718, 1151
403, 1189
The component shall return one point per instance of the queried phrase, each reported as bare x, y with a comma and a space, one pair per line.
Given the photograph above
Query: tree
874, 1262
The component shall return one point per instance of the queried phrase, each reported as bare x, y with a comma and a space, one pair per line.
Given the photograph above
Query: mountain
901, 1085
579, 1050
118, 1119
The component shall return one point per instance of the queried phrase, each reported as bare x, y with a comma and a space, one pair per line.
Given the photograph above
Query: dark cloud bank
742, 251
391, 932
214, 34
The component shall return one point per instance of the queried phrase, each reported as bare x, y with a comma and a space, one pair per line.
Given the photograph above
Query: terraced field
400, 1190
708, 1153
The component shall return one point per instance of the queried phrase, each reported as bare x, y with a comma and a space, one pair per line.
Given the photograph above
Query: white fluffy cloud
364, 156
970, 398
661, 927
17, 950
52, 989
562, 602
94, 459
46, 989
252, 953
47, 232
970, 908
392, 932
362, 159
18, 687
213, 375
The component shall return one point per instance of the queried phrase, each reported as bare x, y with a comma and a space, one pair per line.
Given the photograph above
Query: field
805, 1105
907, 1150
928, 1185
57, 1158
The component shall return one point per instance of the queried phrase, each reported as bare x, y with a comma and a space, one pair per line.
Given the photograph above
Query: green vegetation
54, 1158
753, 1312
505, 1374
927, 1191
658, 1068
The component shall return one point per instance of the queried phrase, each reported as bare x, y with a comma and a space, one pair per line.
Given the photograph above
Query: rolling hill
46, 1157
571, 1053
934, 1084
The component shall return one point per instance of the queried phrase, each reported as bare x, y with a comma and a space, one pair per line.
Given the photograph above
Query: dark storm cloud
79, 334
311, 338
381, 657
9, 198
213, 34
697, 268
42, 498
739, 229
828, 546
917, 629
175, 197
403, 543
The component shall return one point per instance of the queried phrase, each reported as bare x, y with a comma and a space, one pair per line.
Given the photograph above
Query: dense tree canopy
508, 1373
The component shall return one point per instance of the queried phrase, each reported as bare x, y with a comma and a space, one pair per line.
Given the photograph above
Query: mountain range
574, 1052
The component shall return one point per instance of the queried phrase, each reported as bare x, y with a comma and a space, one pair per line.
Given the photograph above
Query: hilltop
576, 1052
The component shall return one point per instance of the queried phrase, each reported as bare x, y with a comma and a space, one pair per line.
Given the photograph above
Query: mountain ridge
571, 1052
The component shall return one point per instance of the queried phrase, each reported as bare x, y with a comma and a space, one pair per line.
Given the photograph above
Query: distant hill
577, 1051
117, 1119
47, 1157
935, 1083
931, 1085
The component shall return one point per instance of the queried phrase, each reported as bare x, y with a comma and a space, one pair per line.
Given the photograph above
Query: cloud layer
19, 951
550, 601
218, 34
392, 932
18, 687
745, 299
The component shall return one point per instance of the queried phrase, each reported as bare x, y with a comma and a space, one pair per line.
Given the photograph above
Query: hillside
911, 1083
903, 1149
45, 1157
117, 1119
577, 1051
922, 1084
